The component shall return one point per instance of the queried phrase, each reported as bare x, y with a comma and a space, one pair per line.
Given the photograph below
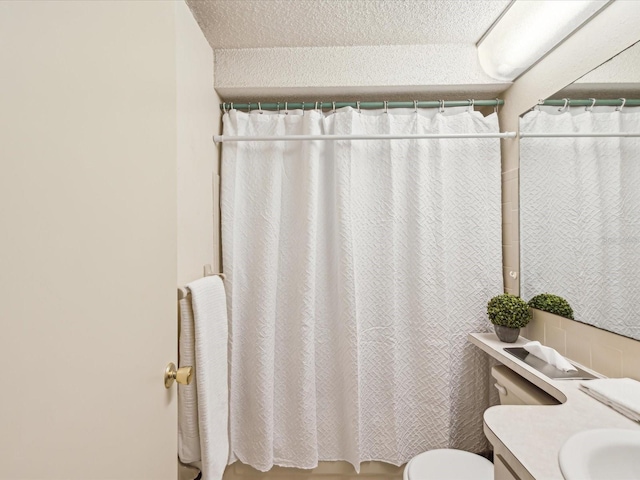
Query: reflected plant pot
507, 334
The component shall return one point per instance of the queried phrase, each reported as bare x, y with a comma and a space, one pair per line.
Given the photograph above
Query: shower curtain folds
355, 271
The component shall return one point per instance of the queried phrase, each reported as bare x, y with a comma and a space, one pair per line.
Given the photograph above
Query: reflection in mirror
580, 197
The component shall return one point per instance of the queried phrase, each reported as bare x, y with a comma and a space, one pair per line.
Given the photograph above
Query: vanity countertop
533, 435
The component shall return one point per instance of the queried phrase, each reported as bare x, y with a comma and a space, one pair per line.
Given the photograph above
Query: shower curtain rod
575, 134
183, 292
315, 105
591, 102
413, 136
588, 104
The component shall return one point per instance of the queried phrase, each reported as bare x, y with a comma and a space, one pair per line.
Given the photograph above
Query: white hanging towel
549, 355
188, 431
210, 339
621, 394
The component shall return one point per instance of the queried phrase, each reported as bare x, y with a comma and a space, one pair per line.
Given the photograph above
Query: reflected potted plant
552, 304
508, 314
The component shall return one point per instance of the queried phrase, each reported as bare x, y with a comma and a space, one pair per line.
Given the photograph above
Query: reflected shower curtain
580, 214
355, 270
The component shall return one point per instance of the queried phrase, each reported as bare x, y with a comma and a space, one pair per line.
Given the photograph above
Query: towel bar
183, 292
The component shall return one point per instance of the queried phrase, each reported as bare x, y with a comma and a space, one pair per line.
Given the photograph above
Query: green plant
508, 311
552, 304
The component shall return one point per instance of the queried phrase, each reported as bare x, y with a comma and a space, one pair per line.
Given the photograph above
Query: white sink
603, 454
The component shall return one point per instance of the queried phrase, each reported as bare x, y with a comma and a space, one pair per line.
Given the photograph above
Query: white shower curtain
580, 214
355, 270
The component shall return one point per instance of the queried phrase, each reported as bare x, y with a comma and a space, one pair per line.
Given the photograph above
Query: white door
88, 240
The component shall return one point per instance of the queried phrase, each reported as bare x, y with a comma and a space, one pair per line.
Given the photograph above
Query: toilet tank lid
520, 387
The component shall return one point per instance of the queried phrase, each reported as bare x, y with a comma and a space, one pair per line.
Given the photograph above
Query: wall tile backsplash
510, 231
607, 353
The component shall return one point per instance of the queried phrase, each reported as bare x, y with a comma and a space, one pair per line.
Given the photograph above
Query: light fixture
528, 30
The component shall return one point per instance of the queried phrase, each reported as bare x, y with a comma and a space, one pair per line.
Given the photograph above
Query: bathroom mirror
580, 197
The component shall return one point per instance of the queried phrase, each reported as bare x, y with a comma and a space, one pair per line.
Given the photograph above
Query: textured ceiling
229, 24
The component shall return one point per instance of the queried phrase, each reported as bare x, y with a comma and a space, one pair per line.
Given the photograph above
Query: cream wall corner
198, 156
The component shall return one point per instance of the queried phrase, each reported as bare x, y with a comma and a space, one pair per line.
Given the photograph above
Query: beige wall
198, 156
88, 246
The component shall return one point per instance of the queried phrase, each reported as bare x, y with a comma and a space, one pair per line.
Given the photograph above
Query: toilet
451, 464
448, 464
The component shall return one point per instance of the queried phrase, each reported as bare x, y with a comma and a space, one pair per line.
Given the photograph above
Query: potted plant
508, 314
552, 304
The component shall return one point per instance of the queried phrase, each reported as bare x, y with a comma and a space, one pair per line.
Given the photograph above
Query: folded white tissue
550, 356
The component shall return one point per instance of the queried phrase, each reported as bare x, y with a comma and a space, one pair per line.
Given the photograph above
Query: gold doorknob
182, 375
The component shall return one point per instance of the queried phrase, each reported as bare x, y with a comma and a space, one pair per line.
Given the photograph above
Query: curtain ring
566, 104
231, 105
495, 109
441, 107
623, 100
590, 107
358, 106
315, 106
333, 106
286, 108
278, 107
260, 108
472, 102
321, 106
386, 107
302, 108
415, 106
249, 107
224, 107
